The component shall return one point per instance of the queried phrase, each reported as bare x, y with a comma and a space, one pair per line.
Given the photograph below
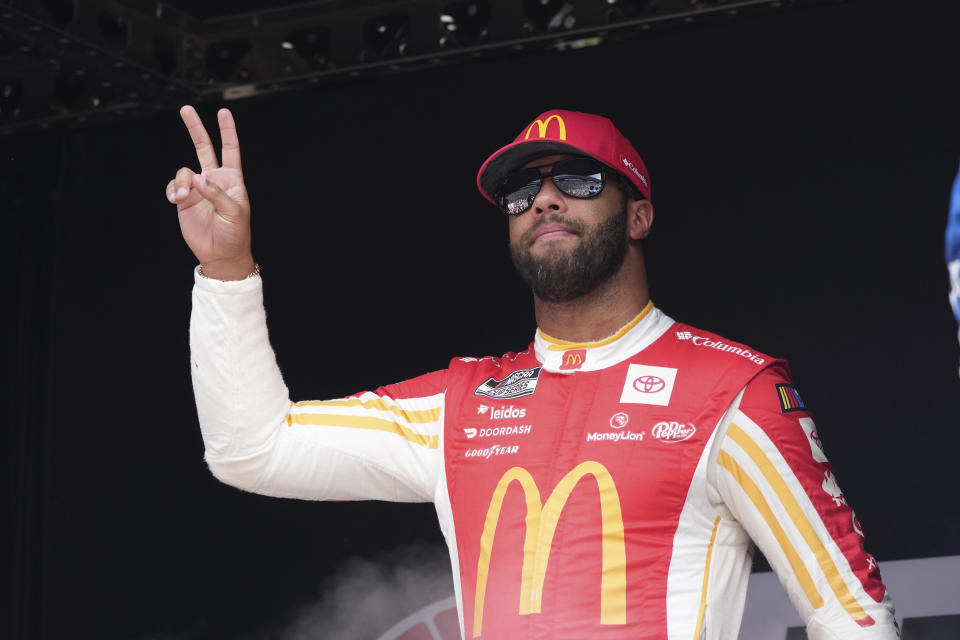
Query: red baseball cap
558, 131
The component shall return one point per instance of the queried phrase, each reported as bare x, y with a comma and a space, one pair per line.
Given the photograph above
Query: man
607, 481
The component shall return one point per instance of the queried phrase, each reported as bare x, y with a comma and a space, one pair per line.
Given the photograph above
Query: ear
639, 218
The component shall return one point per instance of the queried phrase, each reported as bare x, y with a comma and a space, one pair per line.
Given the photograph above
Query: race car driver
608, 481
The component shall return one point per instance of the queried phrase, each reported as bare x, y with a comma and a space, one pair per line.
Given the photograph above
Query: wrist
232, 270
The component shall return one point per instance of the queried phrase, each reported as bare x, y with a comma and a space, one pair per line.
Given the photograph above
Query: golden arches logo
573, 359
542, 127
541, 523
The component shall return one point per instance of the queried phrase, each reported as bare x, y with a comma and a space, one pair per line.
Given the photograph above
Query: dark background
800, 165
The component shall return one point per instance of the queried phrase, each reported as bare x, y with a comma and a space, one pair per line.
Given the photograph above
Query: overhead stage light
385, 36
464, 23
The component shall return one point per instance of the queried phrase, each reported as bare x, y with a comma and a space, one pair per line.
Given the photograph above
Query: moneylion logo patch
520, 383
617, 421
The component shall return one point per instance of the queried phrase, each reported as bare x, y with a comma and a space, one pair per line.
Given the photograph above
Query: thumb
224, 204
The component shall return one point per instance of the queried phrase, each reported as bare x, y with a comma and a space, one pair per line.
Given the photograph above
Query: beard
562, 277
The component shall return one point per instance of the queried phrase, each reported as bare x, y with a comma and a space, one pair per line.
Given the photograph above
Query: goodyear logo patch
789, 398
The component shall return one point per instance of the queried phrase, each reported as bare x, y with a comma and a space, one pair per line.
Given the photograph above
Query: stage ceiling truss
78, 62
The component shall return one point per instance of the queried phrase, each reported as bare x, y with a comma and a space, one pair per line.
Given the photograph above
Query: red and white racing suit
601, 490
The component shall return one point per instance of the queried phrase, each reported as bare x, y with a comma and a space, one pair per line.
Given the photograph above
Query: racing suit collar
561, 356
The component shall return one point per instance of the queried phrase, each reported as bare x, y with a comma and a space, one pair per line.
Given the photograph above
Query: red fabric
651, 477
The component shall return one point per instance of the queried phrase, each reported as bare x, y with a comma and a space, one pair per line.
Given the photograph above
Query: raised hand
212, 205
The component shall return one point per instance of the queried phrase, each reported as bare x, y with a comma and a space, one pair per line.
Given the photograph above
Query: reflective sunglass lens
519, 191
523, 179
578, 178
516, 204
580, 186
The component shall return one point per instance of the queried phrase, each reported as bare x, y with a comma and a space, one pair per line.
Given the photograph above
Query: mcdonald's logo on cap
542, 126
573, 359
540, 524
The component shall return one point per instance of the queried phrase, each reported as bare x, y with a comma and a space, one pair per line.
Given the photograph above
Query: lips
551, 231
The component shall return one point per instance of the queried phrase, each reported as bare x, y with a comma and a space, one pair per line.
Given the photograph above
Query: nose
549, 199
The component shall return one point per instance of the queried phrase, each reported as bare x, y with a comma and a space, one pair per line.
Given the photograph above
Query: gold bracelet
253, 274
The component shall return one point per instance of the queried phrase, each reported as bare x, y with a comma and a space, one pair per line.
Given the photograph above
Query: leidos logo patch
520, 383
646, 384
507, 413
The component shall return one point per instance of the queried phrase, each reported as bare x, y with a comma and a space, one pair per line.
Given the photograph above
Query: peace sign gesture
212, 205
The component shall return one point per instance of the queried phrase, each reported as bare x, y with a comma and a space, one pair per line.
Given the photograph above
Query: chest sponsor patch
646, 384
672, 431
490, 432
520, 383
492, 450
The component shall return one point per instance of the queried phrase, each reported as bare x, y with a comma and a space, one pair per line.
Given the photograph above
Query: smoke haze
367, 596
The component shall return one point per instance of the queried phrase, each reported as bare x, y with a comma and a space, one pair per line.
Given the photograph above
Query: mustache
554, 218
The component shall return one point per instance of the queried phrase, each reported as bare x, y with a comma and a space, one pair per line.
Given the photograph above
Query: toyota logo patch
649, 384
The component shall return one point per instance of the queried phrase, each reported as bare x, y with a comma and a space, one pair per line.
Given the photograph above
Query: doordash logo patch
647, 384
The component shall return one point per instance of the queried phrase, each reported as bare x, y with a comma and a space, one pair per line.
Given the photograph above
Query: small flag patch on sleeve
789, 398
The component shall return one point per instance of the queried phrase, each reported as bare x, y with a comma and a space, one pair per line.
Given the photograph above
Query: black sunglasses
576, 177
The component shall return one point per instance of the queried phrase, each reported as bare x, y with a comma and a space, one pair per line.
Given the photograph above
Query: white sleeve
378, 446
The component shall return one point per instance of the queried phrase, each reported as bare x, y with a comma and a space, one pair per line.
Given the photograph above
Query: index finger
228, 136
201, 141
